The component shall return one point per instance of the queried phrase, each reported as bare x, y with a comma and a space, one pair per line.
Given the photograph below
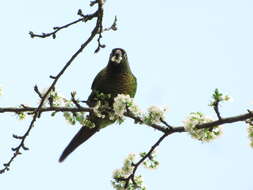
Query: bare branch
73, 99
99, 15
36, 89
44, 109
56, 29
216, 109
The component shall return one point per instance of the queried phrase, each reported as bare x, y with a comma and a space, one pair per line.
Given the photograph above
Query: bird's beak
116, 57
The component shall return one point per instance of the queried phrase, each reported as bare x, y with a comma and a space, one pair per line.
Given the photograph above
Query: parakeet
116, 78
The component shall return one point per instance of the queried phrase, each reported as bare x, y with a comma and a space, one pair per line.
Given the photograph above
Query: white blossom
124, 172
117, 173
155, 115
204, 135
228, 98
96, 110
127, 167
56, 98
151, 162
121, 104
135, 110
250, 134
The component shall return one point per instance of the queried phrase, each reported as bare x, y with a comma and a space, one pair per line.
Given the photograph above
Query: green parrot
116, 78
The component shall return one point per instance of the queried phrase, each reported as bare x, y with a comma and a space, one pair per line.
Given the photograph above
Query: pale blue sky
180, 52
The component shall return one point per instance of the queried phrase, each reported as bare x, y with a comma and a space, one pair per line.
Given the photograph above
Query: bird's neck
123, 68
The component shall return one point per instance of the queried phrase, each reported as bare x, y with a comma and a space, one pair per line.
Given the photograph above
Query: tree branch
222, 121
170, 130
44, 109
56, 29
136, 165
95, 31
163, 128
166, 128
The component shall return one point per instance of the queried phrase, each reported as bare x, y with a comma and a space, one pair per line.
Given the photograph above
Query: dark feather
114, 79
83, 134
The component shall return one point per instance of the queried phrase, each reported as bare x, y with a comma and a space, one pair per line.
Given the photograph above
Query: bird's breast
118, 84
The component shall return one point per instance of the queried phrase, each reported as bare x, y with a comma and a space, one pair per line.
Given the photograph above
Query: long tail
83, 134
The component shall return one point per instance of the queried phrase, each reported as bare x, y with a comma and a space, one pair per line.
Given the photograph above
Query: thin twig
73, 99
136, 165
17, 150
36, 89
44, 109
167, 125
56, 29
216, 109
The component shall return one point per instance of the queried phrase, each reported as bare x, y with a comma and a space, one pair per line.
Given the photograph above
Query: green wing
98, 80
134, 86
95, 86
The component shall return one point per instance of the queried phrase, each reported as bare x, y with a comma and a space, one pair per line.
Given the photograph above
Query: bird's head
118, 57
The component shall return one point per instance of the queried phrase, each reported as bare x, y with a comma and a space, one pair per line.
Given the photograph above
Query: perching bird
115, 78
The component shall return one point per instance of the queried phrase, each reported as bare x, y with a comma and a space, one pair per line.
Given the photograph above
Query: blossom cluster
151, 162
120, 176
55, 99
204, 135
123, 103
155, 115
97, 110
77, 117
